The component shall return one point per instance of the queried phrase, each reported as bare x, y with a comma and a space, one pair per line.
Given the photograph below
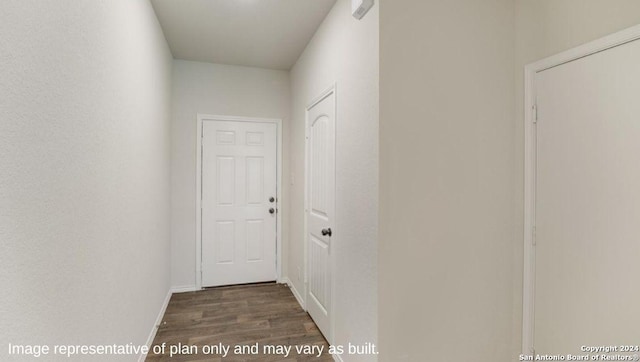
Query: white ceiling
257, 33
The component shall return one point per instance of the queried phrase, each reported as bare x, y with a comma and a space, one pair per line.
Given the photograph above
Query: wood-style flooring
267, 314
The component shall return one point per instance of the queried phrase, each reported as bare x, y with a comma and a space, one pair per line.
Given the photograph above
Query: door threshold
241, 285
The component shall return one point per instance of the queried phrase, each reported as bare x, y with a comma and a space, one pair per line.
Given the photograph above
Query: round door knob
272, 210
272, 199
326, 232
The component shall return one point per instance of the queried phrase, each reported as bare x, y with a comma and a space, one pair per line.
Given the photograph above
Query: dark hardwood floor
266, 314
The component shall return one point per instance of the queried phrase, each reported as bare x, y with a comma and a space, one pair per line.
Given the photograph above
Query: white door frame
530, 159
279, 205
307, 155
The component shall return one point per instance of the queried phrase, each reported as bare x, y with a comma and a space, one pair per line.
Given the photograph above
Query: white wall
446, 180
220, 90
545, 28
345, 51
84, 172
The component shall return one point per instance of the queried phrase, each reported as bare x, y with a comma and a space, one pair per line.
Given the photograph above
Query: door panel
226, 243
226, 180
238, 179
319, 264
588, 203
255, 180
320, 214
255, 241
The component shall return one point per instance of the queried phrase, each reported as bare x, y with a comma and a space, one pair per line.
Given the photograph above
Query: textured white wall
545, 28
446, 180
84, 172
344, 51
220, 90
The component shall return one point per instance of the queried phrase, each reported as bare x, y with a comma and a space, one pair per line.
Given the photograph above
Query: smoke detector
360, 7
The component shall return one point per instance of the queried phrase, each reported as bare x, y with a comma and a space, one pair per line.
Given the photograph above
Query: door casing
530, 151
201, 118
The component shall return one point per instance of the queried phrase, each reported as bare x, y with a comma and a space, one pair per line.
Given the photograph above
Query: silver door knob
272, 199
272, 210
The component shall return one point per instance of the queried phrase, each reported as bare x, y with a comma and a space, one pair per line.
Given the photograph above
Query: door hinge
533, 236
535, 113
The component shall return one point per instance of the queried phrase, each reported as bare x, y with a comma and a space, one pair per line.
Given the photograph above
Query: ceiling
257, 33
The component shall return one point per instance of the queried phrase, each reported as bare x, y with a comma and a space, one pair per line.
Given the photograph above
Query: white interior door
320, 209
587, 203
238, 202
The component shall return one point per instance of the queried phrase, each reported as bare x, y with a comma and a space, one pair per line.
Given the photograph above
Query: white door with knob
239, 185
320, 191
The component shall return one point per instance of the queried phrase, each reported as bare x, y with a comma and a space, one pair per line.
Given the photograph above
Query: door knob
272, 199
272, 210
326, 232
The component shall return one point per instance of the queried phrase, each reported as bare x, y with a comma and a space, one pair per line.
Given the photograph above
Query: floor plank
266, 314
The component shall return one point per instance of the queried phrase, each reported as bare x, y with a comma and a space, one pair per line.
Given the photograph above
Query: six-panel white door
238, 202
320, 209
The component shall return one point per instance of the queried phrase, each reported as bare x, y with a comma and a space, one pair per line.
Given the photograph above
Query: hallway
267, 314
319, 180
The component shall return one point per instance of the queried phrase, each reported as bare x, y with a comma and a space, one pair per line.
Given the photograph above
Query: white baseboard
184, 289
295, 292
154, 329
